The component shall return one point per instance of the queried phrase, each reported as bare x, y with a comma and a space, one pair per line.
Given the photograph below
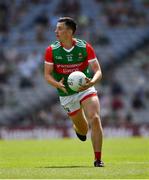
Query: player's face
62, 31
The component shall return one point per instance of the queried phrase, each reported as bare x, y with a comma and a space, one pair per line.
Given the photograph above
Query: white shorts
72, 103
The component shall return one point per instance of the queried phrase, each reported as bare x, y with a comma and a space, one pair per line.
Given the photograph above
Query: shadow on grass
65, 167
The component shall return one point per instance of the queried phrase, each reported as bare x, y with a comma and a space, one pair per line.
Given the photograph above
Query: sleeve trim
50, 63
91, 60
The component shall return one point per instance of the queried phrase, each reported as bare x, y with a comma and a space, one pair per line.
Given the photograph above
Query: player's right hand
62, 86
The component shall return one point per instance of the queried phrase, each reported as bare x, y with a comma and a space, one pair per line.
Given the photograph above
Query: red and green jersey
66, 61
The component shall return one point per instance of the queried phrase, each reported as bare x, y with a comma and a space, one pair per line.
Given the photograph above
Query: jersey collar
73, 44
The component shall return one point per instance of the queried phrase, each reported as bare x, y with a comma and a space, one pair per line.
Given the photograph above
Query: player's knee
83, 129
86, 129
96, 124
95, 121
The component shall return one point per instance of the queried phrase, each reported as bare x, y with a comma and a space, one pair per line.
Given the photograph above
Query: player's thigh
79, 119
91, 107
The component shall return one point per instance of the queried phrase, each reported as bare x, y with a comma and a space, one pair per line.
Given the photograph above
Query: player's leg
71, 104
80, 123
91, 107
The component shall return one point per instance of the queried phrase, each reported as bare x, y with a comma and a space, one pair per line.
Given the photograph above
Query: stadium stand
117, 29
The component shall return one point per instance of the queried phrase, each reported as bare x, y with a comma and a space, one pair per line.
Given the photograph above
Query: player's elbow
100, 76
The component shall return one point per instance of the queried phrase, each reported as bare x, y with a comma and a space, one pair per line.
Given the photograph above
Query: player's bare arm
48, 68
95, 66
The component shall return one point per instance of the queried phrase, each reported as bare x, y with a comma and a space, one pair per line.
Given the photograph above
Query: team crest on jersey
80, 55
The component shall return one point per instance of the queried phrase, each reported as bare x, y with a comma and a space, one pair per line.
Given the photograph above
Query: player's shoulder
80, 43
55, 45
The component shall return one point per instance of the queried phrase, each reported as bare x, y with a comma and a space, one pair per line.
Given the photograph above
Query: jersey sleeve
91, 56
48, 57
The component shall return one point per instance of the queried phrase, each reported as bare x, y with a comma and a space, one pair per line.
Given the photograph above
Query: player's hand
88, 84
62, 86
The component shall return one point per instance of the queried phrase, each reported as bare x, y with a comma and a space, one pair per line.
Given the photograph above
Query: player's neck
68, 43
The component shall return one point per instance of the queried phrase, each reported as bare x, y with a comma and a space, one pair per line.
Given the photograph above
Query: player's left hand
88, 84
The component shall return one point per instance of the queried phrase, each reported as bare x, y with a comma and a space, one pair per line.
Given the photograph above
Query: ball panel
76, 79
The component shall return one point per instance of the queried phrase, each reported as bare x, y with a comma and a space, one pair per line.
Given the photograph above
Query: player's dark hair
69, 22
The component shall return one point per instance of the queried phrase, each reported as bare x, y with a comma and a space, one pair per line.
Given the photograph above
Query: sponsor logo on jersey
68, 68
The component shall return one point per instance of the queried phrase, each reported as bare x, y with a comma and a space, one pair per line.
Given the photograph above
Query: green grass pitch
72, 159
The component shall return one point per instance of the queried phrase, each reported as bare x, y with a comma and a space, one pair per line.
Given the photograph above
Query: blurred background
119, 32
